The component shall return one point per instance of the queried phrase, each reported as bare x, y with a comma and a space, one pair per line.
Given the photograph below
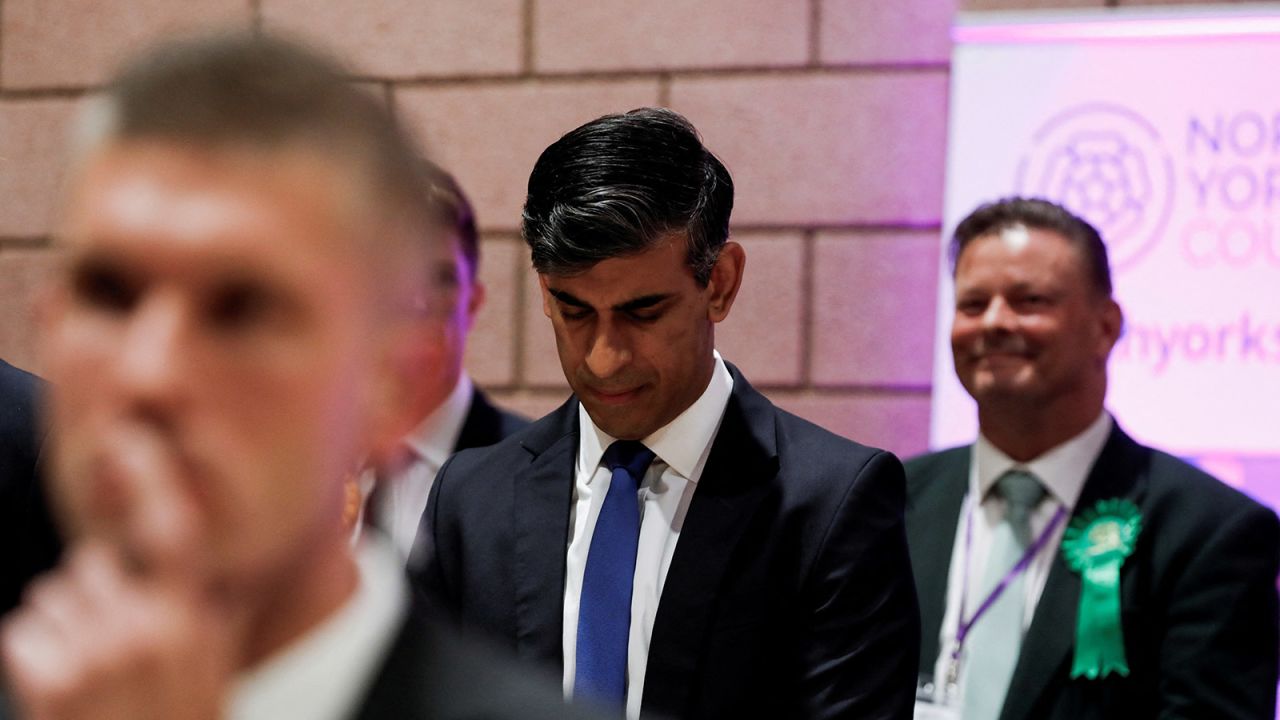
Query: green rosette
1095, 545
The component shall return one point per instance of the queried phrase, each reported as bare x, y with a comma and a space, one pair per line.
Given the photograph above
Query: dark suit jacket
486, 424
788, 595
28, 543
1198, 594
433, 673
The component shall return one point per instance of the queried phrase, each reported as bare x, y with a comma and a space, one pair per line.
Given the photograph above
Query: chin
619, 427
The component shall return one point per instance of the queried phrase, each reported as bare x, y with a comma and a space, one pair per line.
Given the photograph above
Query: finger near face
40, 668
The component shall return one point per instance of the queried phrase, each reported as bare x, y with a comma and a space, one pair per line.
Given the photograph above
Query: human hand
128, 628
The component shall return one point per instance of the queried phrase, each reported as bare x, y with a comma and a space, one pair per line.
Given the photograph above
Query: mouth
614, 397
1000, 355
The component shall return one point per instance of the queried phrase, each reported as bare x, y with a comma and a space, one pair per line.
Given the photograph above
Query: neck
300, 597
1024, 432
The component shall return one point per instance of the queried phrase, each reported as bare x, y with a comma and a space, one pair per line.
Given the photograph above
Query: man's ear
1111, 324
475, 302
546, 295
726, 279
478, 296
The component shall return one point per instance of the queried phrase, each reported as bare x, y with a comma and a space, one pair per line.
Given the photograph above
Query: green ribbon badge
1095, 545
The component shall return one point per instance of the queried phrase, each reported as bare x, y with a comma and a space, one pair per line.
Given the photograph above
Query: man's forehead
164, 205
185, 162
659, 268
1021, 241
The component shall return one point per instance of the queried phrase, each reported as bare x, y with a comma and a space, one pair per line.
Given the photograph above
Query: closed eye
570, 310
105, 286
645, 316
241, 305
971, 306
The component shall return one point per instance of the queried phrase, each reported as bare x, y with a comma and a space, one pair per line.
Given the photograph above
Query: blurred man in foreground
230, 335
1064, 570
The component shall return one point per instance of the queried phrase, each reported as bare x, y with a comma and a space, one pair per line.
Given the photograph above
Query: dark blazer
1198, 594
28, 543
433, 673
486, 424
788, 595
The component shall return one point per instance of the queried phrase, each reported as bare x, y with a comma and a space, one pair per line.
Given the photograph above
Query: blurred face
209, 342
635, 334
1029, 327
455, 298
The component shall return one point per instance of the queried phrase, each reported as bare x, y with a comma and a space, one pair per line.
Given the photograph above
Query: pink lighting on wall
1250, 23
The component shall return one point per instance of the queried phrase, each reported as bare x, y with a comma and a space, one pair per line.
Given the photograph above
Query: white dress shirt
681, 448
1062, 471
326, 673
404, 499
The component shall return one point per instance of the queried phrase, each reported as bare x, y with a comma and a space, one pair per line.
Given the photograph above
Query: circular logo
1104, 163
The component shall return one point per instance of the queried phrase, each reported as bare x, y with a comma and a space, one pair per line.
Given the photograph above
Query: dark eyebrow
640, 303
568, 299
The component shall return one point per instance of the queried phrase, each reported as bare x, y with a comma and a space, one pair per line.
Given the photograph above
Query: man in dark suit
234, 328
26, 533
668, 540
454, 414
1191, 629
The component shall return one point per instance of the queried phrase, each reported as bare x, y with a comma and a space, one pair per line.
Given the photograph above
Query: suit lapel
543, 492
736, 478
933, 514
1051, 636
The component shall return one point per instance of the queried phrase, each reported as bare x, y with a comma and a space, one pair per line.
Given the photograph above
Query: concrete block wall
831, 115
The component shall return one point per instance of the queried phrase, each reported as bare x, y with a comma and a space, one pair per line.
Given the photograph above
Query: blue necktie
604, 609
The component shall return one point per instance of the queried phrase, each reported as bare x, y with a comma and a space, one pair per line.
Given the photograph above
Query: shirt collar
435, 437
326, 672
681, 443
1062, 470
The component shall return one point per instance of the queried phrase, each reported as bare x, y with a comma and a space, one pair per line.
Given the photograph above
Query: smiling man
231, 332
668, 540
1064, 570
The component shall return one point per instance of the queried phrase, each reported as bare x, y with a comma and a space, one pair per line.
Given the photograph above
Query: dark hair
243, 91
454, 213
1038, 214
620, 183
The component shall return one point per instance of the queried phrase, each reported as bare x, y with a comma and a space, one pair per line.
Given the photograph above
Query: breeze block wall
830, 114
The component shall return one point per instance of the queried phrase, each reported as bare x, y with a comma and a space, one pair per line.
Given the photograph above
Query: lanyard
963, 627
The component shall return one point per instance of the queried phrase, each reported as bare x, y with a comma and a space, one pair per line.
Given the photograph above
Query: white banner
1162, 127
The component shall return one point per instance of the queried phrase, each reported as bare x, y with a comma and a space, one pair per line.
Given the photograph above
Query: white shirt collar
324, 674
1062, 470
437, 435
681, 443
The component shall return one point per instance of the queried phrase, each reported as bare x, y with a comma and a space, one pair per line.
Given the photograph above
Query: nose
149, 365
998, 316
609, 352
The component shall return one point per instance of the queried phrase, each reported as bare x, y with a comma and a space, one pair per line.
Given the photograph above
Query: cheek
303, 406
79, 360
571, 343
964, 333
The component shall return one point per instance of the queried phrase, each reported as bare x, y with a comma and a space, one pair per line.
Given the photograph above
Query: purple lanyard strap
1020, 567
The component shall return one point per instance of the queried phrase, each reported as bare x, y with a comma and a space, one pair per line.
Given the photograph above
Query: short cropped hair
1036, 213
238, 91
453, 212
621, 183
